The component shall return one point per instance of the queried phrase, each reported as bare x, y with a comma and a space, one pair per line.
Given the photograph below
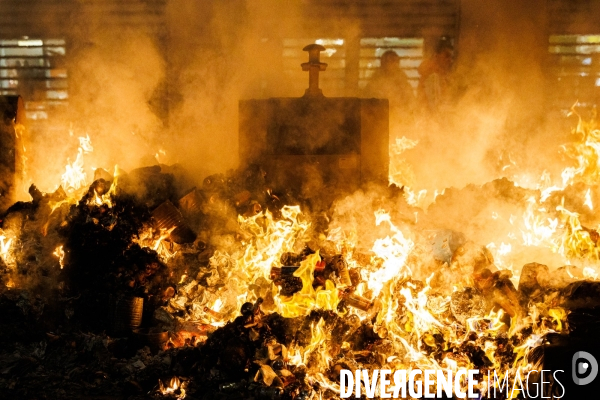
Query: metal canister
167, 216
154, 340
341, 267
356, 301
191, 203
125, 313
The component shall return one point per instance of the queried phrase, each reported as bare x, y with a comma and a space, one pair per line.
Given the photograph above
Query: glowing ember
174, 388
74, 177
60, 254
588, 200
183, 278
393, 251
157, 241
5, 246
6, 250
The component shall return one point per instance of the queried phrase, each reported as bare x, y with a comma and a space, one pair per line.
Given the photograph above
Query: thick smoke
501, 112
117, 77
116, 74
212, 54
222, 52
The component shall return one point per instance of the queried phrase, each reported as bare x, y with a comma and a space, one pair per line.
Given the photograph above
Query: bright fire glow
174, 388
74, 177
60, 254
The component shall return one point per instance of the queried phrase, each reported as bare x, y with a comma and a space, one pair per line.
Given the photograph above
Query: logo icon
584, 368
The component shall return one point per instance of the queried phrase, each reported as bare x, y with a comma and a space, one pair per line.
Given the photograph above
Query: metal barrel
125, 313
167, 216
154, 340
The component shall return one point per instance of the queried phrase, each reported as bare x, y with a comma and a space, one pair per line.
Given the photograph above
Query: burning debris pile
132, 287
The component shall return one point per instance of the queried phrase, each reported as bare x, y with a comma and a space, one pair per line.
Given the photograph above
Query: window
332, 81
575, 67
410, 51
34, 69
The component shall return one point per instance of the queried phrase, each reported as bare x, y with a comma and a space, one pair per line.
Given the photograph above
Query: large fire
434, 299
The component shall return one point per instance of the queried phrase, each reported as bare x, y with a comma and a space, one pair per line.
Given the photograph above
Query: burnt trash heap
111, 322
108, 280
105, 299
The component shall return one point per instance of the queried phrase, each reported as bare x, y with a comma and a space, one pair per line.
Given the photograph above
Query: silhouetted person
434, 79
390, 82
